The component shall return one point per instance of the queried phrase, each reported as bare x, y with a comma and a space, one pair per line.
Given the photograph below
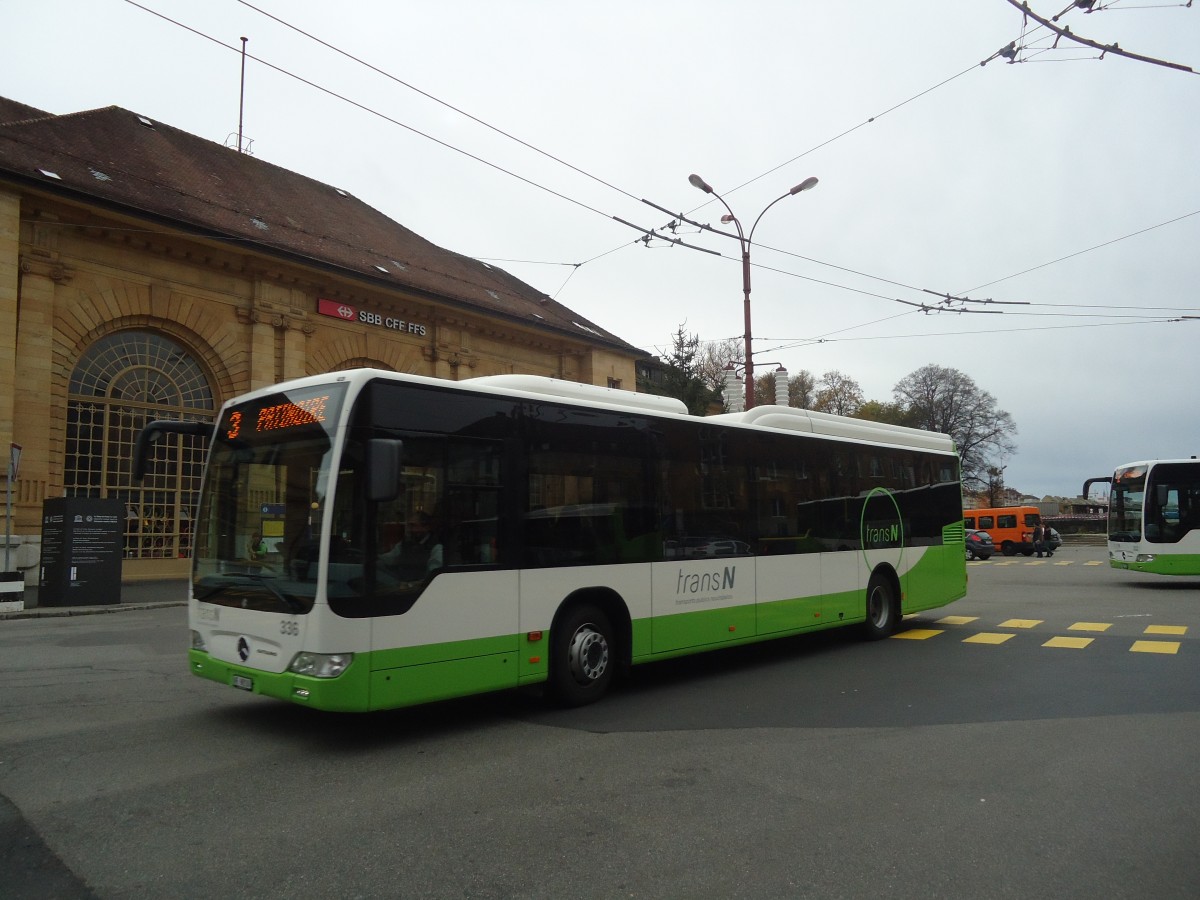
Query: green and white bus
1154, 516
428, 539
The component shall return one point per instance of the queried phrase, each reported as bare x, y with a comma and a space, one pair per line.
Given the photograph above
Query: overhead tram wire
846, 133
476, 119
706, 227
1114, 48
809, 342
647, 234
830, 338
883, 337
580, 171
437, 100
1086, 250
601, 181
367, 109
793, 343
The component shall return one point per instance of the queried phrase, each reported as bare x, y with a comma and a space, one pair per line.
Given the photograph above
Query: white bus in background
552, 520
1154, 516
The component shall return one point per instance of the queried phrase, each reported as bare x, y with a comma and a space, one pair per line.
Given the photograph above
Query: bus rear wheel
582, 657
882, 610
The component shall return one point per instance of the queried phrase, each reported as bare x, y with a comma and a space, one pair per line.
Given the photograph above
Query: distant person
257, 548
1039, 540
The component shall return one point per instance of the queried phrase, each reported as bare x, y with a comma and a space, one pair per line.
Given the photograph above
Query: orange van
1011, 527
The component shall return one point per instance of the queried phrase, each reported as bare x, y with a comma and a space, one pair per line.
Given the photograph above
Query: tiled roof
129, 163
12, 111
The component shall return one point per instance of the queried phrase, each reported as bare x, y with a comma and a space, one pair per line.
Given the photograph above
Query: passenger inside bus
418, 554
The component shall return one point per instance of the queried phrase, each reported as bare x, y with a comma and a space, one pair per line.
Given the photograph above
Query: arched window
121, 382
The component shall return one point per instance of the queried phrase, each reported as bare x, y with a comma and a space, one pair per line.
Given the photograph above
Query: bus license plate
241, 681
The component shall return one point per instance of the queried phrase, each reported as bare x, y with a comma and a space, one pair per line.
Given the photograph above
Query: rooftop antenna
242, 96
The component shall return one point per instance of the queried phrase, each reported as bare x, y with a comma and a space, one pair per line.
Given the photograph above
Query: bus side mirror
383, 469
1087, 485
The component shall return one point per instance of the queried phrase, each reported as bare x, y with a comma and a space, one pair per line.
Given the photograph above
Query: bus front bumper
346, 693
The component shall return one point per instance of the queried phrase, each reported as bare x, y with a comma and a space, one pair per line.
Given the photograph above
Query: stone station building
147, 273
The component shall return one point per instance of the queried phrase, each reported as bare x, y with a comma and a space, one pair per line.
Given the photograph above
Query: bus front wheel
583, 656
882, 609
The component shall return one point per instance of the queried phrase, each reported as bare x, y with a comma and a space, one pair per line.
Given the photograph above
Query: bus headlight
1145, 557
320, 665
198, 641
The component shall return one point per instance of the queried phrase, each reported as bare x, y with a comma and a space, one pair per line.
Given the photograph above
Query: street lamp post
745, 240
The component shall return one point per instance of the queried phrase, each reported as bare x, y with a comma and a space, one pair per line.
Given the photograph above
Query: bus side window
969, 521
472, 502
986, 522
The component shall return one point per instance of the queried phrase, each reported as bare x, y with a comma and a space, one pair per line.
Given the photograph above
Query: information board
81, 551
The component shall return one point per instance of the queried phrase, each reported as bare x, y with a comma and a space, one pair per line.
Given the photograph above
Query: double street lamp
744, 240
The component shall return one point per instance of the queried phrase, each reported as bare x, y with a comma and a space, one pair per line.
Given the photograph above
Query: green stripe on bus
1166, 564
405, 676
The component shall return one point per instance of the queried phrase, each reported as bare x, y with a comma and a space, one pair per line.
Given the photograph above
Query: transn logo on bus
697, 587
887, 536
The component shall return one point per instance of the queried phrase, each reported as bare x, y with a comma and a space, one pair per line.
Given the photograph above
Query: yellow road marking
917, 634
1021, 623
1155, 647
1071, 643
1166, 629
988, 637
958, 620
1094, 562
1090, 626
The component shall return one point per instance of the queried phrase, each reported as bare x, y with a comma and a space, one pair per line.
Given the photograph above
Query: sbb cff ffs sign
350, 313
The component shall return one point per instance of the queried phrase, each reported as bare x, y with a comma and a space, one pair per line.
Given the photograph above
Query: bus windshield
1125, 505
267, 481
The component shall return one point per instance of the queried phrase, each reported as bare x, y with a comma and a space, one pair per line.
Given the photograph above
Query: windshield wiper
268, 581
233, 579
211, 592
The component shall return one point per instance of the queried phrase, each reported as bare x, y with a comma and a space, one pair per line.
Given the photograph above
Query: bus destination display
279, 413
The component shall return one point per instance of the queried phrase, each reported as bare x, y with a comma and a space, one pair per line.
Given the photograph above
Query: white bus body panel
457, 606
543, 590
269, 641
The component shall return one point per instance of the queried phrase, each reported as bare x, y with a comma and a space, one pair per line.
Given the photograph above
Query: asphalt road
995, 749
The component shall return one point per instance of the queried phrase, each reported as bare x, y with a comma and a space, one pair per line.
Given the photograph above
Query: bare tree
714, 357
947, 400
683, 376
837, 393
802, 389
994, 486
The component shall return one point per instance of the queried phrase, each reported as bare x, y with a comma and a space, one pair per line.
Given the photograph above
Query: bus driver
418, 555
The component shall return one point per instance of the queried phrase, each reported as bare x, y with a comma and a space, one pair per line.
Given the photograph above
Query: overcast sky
1063, 181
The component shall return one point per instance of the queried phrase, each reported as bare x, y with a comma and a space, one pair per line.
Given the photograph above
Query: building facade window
121, 382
